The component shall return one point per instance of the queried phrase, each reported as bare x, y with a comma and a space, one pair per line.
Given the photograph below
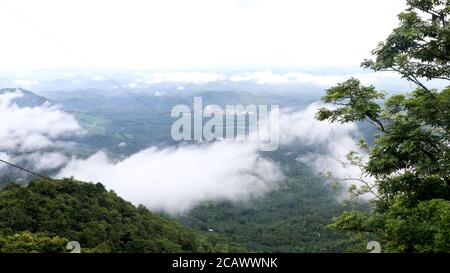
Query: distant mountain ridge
28, 99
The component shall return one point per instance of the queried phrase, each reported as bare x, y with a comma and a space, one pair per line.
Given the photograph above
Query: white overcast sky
191, 34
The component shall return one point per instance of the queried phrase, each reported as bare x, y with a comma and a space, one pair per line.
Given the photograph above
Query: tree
44, 215
27, 242
409, 161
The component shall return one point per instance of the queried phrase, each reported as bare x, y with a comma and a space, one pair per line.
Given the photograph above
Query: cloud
302, 126
332, 141
177, 77
4, 156
173, 180
46, 160
268, 77
176, 179
26, 131
24, 83
258, 77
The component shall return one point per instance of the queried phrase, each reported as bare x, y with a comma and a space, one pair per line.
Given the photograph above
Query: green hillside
293, 217
45, 215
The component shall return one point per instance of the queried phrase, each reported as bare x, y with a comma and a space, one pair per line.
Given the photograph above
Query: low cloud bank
258, 77
333, 141
30, 133
268, 77
175, 180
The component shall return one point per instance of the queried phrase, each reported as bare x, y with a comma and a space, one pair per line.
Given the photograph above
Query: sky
191, 34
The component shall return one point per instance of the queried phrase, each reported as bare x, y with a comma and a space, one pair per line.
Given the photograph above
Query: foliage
420, 46
293, 217
27, 242
409, 161
422, 228
98, 219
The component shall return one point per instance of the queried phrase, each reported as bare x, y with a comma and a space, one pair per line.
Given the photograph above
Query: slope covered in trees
293, 217
44, 215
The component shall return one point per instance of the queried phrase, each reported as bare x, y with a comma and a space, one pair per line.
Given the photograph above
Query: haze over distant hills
306, 80
120, 136
233, 186
28, 99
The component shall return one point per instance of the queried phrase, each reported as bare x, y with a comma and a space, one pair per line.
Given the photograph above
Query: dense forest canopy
293, 217
45, 215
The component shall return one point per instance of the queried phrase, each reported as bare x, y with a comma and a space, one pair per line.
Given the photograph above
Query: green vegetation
45, 215
407, 170
27, 242
409, 160
291, 218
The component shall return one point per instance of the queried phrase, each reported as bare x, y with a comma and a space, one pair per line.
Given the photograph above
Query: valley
290, 217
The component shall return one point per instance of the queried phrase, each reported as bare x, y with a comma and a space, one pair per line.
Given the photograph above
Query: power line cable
25, 170
114, 82
82, 60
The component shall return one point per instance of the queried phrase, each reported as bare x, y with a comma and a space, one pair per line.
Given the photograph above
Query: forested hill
44, 215
291, 218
